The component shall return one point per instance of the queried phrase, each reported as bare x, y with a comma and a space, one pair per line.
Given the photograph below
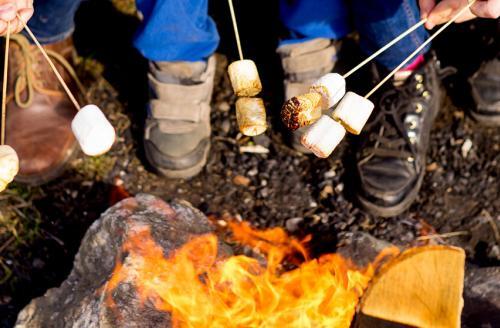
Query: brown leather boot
39, 113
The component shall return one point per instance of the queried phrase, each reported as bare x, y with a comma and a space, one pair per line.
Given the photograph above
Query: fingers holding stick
14, 11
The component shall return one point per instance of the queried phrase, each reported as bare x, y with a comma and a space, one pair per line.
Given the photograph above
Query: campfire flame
200, 288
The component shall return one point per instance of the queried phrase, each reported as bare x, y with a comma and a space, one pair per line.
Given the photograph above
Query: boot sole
40, 179
487, 120
394, 210
185, 173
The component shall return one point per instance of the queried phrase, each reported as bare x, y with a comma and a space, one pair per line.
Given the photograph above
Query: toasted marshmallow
323, 136
331, 87
93, 131
9, 165
251, 116
301, 111
353, 112
244, 78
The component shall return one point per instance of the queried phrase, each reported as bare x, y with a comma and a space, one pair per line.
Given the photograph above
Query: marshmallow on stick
9, 165
244, 78
331, 86
93, 131
251, 116
353, 112
323, 136
301, 111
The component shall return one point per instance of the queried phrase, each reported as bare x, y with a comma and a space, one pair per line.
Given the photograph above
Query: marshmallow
251, 116
301, 111
9, 165
244, 78
93, 131
353, 112
323, 136
331, 87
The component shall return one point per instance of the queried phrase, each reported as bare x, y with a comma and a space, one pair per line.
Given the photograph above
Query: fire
201, 288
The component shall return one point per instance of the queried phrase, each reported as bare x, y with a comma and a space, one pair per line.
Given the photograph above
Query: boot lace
390, 136
27, 81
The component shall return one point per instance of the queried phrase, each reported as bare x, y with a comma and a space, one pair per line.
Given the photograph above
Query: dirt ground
41, 227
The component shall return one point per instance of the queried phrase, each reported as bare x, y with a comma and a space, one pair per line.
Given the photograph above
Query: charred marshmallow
331, 87
244, 78
323, 136
251, 116
301, 111
9, 165
353, 112
93, 131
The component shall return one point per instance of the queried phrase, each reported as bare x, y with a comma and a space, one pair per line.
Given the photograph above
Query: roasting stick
245, 80
384, 48
90, 126
432, 37
9, 161
4, 85
235, 27
52, 66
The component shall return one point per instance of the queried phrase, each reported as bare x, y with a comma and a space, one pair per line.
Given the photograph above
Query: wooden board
422, 287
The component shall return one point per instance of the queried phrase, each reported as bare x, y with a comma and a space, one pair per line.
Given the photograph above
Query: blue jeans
172, 30
377, 22
181, 30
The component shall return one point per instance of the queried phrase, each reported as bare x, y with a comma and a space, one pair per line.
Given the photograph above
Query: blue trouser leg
309, 19
377, 21
176, 30
53, 20
380, 21
172, 30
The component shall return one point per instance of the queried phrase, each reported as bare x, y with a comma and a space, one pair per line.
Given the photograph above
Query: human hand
8, 11
444, 10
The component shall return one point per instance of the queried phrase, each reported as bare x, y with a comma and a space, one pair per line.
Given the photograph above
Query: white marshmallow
353, 112
244, 78
9, 165
331, 87
323, 136
251, 116
93, 131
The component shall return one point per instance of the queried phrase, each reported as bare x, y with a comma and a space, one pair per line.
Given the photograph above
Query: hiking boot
391, 160
177, 132
303, 63
485, 84
39, 113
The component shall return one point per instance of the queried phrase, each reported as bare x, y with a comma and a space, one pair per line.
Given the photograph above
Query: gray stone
481, 297
81, 300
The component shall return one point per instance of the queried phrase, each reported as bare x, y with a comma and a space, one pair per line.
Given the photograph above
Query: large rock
81, 300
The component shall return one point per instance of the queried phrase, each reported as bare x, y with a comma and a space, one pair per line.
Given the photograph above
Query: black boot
486, 92
391, 160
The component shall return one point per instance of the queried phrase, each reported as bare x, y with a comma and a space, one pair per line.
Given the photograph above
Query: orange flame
201, 289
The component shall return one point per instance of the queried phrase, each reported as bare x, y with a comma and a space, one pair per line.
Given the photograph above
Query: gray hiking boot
177, 131
303, 63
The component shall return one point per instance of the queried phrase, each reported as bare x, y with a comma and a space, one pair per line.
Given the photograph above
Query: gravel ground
41, 227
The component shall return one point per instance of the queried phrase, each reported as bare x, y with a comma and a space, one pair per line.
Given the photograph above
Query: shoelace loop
28, 82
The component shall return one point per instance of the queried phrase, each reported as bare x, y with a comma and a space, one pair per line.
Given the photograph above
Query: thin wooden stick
54, 69
384, 48
235, 27
444, 235
432, 37
4, 85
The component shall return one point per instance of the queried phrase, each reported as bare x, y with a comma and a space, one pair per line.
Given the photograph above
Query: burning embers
200, 287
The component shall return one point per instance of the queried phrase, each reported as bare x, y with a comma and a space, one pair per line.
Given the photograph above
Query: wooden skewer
235, 27
417, 51
384, 48
51, 64
4, 85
